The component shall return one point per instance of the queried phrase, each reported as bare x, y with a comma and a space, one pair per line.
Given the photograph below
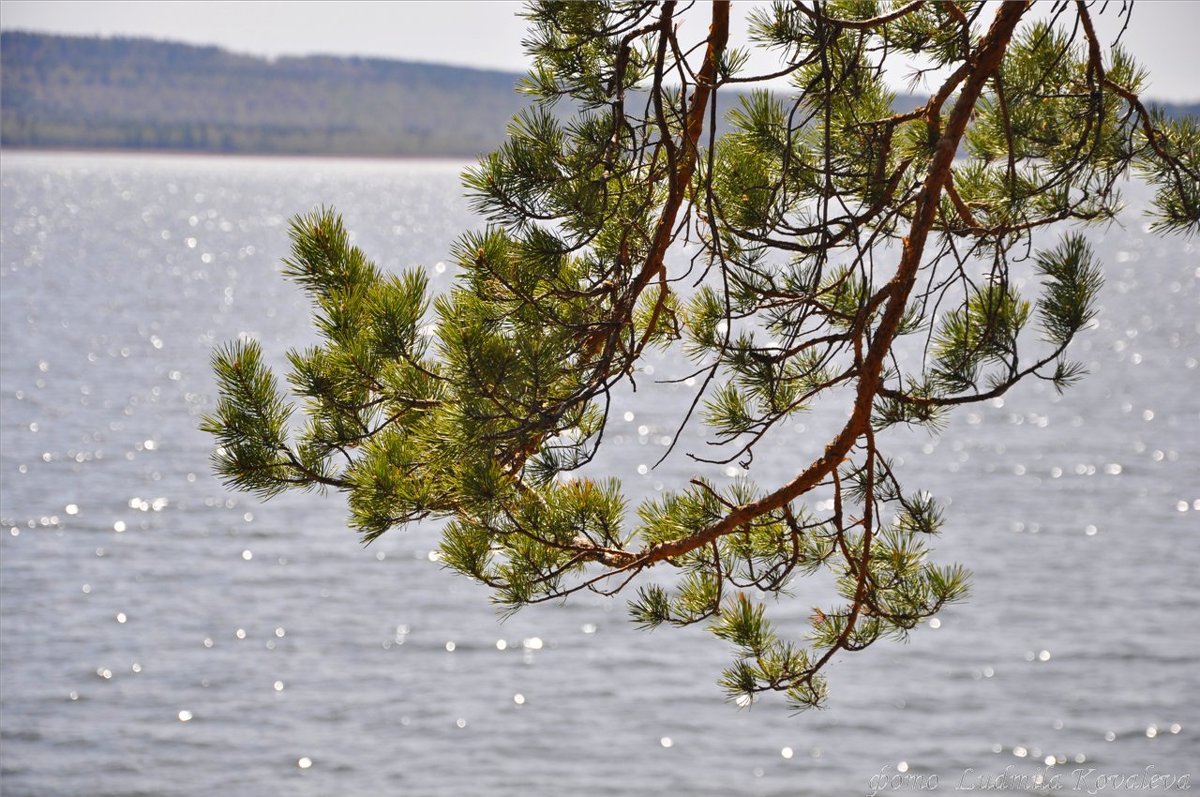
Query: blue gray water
162, 636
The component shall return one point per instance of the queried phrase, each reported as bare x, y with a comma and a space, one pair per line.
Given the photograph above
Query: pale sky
1163, 35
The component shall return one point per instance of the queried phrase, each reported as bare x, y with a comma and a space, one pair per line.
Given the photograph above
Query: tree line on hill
70, 92
121, 93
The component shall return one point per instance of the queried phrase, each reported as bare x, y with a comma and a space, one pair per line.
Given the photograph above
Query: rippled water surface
163, 636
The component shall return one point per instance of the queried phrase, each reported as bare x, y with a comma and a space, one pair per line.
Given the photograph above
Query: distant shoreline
128, 94
89, 94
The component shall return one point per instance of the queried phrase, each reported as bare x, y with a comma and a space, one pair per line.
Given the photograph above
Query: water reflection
118, 276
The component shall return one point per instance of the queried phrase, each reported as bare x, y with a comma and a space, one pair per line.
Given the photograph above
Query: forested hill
99, 93
71, 92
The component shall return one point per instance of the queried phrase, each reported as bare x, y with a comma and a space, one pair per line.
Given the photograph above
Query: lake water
163, 636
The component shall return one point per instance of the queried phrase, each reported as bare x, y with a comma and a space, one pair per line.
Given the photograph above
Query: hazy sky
484, 34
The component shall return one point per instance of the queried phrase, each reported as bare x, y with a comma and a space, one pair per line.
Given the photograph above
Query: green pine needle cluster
782, 262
